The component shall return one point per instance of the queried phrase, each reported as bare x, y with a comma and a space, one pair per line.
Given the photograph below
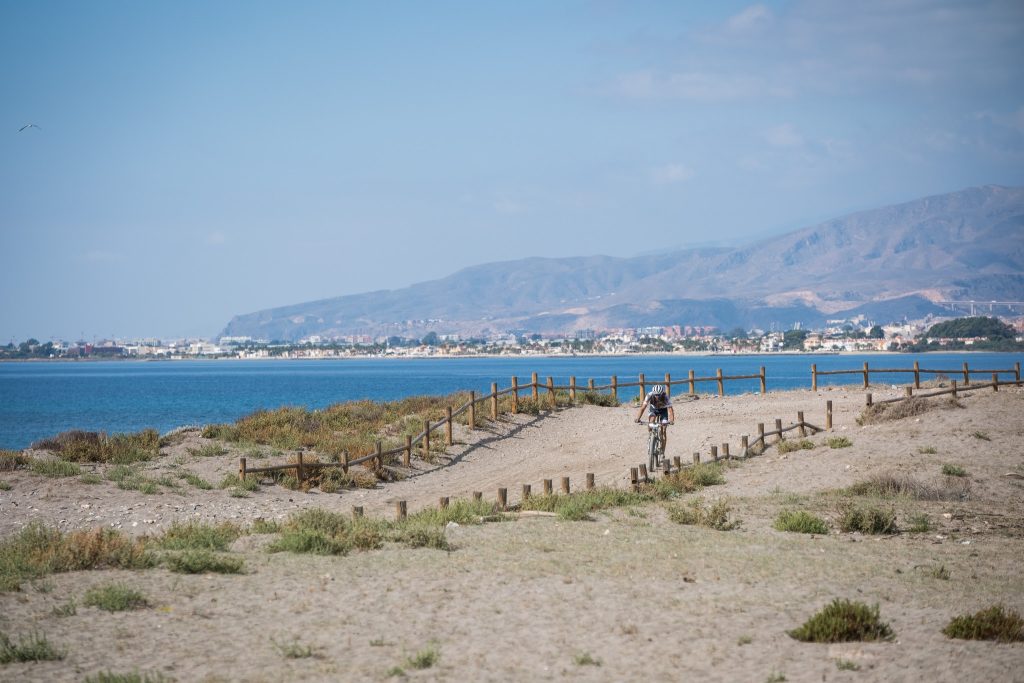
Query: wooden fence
535, 387
866, 371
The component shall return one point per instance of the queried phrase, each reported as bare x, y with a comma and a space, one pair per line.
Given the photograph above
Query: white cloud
671, 174
750, 19
784, 135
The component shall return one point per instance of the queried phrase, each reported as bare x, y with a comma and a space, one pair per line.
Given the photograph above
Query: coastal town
840, 336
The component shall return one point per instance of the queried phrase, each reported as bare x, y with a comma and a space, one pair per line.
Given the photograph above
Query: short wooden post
548, 487
615, 388
590, 384
693, 385
764, 382
448, 437
917, 374
744, 445
494, 401
866, 373
590, 480
426, 439
533, 387
666, 467
378, 449
300, 473
1016, 373
953, 384
714, 453
344, 456
503, 499
565, 484
515, 395
406, 454
241, 469
551, 393
721, 382
401, 510
802, 429
696, 458
814, 376
643, 473
725, 451
478, 495
995, 381
677, 461
908, 391
526, 491
634, 479
471, 420
828, 414
967, 375
572, 388
867, 398
668, 384
443, 502
357, 510
643, 387
760, 436
778, 429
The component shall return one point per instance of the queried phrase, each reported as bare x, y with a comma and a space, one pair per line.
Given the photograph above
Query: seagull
29, 125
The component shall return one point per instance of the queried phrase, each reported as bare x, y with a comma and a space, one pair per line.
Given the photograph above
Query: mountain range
887, 264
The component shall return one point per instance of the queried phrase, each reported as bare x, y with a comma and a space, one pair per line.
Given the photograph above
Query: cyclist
660, 406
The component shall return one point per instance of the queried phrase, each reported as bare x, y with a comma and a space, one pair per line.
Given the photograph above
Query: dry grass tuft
892, 485
80, 446
843, 621
994, 623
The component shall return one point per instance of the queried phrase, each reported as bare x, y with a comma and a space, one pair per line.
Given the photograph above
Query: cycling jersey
658, 405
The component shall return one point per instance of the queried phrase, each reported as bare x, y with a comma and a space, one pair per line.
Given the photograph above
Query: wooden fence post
448, 426
634, 479
401, 510
548, 488
1016, 373
953, 383
643, 388
344, 457
551, 393
472, 411
590, 480
241, 469
426, 439
917, 374
572, 388
300, 474
721, 383
995, 381
615, 388
778, 428
677, 461
764, 382
478, 495
800, 419
515, 395
693, 385
725, 451
760, 435
406, 455
494, 401
443, 502
526, 491
866, 372
533, 387
828, 414
814, 376
908, 392
696, 458
357, 510
503, 499
666, 467
967, 375
590, 384
643, 473
378, 449
565, 484
714, 453
867, 398
744, 445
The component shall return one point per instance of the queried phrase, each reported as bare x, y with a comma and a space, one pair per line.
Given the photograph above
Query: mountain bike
655, 444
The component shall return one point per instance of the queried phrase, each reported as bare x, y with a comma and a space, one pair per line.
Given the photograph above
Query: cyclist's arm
671, 415
640, 415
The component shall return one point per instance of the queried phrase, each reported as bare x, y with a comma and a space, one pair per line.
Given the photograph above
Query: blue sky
196, 160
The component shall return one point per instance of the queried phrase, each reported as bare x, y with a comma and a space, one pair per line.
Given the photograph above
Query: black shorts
660, 413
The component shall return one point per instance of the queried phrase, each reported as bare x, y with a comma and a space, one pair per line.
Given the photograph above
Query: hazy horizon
196, 161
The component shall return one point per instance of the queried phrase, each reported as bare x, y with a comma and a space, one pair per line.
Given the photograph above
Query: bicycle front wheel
653, 449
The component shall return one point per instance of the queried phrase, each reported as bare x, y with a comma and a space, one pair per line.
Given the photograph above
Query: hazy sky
196, 160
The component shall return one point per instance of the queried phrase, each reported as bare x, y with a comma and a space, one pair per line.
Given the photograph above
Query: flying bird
28, 125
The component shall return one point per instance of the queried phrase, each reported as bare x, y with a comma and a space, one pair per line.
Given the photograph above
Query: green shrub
868, 520
926, 450
954, 471
787, 446
585, 659
13, 460
31, 648
198, 536
250, 483
115, 598
994, 623
919, 523
715, 516
4, 486
424, 659
202, 562
800, 521
420, 536
79, 446
595, 398
208, 450
839, 442
578, 506
843, 621
134, 677
90, 478
263, 526
55, 468
904, 486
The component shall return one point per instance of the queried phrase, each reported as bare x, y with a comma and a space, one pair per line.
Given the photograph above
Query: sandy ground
527, 600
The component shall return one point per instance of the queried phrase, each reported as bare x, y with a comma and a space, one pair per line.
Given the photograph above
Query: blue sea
40, 399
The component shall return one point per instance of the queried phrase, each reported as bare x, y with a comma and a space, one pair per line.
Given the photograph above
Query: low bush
868, 520
250, 483
80, 446
994, 623
55, 468
890, 485
799, 521
926, 450
919, 523
578, 506
115, 598
595, 398
4, 486
424, 659
788, 446
203, 562
195, 480
31, 648
839, 442
134, 677
715, 516
208, 450
198, 536
954, 471
843, 621
13, 460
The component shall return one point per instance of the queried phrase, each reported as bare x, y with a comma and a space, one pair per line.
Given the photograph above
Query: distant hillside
886, 263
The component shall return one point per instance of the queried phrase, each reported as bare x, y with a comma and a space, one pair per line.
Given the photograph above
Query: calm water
42, 399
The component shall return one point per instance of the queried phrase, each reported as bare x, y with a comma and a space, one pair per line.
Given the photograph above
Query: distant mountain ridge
885, 263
